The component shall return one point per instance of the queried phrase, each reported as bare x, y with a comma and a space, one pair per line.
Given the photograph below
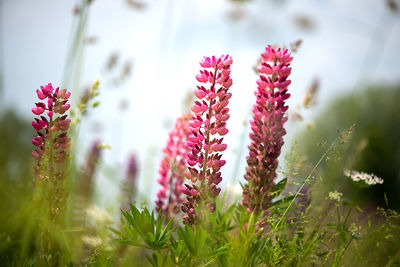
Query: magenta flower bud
37, 110
191, 144
195, 123
200, 94
195, 108
185, 190
193, 192
64, 94
218, 147
63, 125
228, 62
227, 83
206, 62
222, 117
38, 141
219, 163
60, 109
193, 139
40, 94
49, 103
191, 162
202, 78
161, 193
36, 125
191, 156
222, 131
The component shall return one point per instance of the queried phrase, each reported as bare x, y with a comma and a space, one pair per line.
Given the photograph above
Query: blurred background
146, 52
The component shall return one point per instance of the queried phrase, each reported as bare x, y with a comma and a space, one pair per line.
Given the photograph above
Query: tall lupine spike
172, 168
86, 183
267, 129
129, 185
88, 171
51, 157
207, 126
51, 139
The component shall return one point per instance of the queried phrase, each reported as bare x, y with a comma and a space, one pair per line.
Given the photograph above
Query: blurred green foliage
15, 160
15, 178
374, 146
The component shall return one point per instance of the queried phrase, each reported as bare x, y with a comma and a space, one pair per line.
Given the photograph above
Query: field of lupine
195, 223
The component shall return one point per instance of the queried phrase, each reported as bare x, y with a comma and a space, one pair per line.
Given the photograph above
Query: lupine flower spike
207, 126
172, 169
88, 170
51, 140
129, 185
51, 154
86, 183
267, 129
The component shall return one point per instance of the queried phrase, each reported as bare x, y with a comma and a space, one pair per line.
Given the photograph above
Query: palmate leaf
143, 223
180, 254
282, 202
194, 240
157, 260
219, 251
278, 188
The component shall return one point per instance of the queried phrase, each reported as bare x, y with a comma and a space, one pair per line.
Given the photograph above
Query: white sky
167, 39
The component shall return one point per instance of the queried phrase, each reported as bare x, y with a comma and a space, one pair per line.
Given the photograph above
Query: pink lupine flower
51, 153
132, 169
267, 129
85, 185
172, 168
129, 184
51, 132
88, 170
207, 126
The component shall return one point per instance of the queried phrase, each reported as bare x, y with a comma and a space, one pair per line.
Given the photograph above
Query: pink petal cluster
267, 129
207, 126
53, 101
172, 168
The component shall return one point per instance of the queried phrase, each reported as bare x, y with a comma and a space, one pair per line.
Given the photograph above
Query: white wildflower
335, 195
369, 179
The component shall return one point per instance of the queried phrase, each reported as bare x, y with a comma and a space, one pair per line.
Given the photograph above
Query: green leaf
283, 201
278, 188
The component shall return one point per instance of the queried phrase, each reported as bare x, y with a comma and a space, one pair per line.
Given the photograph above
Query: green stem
305, 181
351, 207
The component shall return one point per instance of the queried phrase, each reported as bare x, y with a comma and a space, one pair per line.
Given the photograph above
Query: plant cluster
195, 223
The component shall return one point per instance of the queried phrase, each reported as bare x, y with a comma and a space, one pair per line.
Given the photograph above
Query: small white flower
369, 179
335, 195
